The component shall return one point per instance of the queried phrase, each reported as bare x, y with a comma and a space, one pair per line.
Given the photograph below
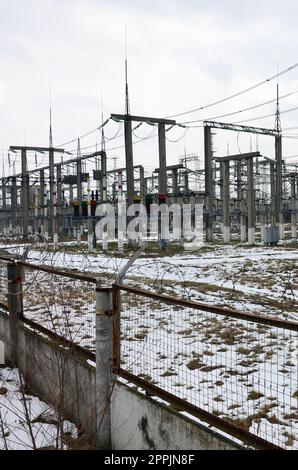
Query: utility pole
250, 202
143, 188
79, 191
128, 119
42, 200
121, 214
4, 205
14, 205
25, 181
293, 179
25, 194
224, 161
208, 183
226, 201
130, 186
115, 178
104, 195
278, 158
273, 193
162, 175
90, 222
59, 200
175, 189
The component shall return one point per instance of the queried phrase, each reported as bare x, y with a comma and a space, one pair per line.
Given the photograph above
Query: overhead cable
234, 95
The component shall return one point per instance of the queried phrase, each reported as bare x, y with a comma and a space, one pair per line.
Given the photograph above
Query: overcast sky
182, 55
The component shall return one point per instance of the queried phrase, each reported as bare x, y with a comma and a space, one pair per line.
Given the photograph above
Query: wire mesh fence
243, 371
62, 303
3, 282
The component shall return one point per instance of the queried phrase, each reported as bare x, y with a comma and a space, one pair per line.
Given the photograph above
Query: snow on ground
260, 279
26, 422
237, 370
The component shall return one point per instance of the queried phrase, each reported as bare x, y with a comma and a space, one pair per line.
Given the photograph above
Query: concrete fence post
15, 305
104, 347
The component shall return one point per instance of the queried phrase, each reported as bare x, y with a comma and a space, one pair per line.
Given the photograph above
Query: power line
180, 138
246, 90
207, 106
84, 135
290, 128
266, 116
241, 110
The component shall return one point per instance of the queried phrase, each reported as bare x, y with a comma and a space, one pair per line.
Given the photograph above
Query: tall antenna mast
103, 145
51, 134
127, 106
277, 114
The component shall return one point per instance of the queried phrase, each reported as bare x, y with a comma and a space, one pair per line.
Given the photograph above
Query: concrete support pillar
279, 192
208, 183
36, 218
263, 220
175, 189
79, 199
221, 182
250, 202
55, 218
25, 194
129, 161
79, 186
145, 188
46, 215
104, 363
226, 201
52, 196
130, 186
103, 178
104, 195
239, 189
121, 214
60, 201
15, 306
70, 193
90, 222
142, 185
4, 206
243, 222
162, 180
293, 208
14, 201
186, 182
273, 194
242, 207
114, 192
41, 200
162, 174
162, 223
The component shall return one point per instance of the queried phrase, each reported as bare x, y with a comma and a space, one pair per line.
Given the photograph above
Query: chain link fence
64, 303
240, 368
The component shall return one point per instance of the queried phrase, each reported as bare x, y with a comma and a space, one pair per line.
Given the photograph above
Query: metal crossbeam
151, 120
240, 128
15, 148
241, 156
